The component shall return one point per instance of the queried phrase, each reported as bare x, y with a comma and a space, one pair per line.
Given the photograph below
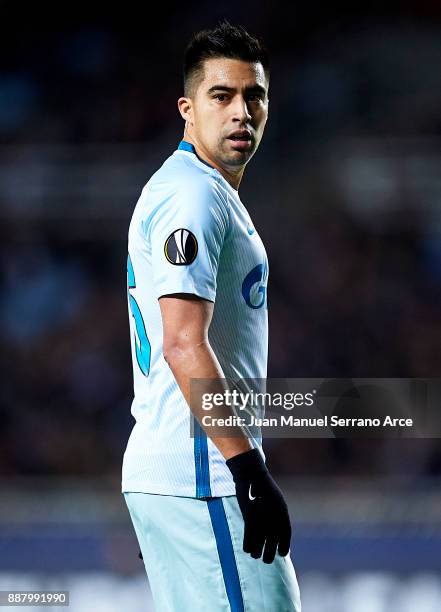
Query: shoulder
184, 175
182, 184
186, 190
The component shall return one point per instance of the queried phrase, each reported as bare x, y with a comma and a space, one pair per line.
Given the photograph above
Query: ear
186, 109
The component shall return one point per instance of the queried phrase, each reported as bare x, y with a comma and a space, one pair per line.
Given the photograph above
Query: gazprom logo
254, 286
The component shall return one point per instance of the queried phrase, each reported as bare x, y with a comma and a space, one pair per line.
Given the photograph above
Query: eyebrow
251, 88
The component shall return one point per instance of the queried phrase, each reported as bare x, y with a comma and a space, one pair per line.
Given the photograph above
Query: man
205, 509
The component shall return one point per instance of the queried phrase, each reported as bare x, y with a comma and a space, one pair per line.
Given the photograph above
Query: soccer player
212, 525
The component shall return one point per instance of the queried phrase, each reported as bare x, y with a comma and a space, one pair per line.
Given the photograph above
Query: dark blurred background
345, 191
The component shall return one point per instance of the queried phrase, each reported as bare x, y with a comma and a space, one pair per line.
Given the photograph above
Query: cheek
262, 118
207, 119
213, 123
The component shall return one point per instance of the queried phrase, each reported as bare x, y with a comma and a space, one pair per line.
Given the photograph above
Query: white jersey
189, 233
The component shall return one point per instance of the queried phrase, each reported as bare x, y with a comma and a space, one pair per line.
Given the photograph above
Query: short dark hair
225, 40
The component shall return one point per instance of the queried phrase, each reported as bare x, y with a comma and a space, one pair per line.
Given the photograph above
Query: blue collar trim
187, 146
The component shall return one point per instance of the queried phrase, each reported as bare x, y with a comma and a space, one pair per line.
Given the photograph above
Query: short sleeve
186, 234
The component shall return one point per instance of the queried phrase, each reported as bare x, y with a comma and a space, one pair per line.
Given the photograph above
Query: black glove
263, 507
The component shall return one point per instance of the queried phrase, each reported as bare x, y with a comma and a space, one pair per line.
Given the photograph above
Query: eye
220, 97
255, 97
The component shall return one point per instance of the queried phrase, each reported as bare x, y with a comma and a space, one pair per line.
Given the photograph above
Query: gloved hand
263, 507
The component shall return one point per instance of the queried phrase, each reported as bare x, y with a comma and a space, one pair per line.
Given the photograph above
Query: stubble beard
232, 158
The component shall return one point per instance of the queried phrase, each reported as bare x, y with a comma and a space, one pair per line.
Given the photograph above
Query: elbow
171, 352
176, 350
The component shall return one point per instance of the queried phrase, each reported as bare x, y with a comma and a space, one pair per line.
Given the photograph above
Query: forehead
232, 73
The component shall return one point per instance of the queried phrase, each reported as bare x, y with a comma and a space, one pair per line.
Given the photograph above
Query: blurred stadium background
346, 194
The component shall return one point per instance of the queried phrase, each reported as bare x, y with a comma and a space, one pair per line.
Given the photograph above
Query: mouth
240, 139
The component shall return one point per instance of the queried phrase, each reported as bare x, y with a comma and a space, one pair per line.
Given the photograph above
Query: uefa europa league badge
181, 247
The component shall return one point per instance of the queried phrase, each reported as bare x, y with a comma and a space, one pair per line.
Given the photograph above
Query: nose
241, 112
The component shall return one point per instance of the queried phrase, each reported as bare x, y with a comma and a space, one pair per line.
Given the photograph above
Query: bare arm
186, 319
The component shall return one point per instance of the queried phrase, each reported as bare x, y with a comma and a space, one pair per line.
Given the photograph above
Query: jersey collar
187, 146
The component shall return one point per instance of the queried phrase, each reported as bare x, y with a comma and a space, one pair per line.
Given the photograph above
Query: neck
232, 177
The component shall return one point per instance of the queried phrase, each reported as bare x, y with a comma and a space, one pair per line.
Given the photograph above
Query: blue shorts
193, 556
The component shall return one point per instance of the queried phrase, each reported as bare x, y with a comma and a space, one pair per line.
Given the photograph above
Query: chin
239, 156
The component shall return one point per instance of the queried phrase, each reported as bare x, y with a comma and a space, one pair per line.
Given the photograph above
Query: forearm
198, 361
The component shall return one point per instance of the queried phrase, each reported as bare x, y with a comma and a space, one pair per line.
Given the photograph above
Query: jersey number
142, 343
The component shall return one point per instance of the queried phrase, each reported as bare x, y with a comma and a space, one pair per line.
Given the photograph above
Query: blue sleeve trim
202, 466
226, 553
